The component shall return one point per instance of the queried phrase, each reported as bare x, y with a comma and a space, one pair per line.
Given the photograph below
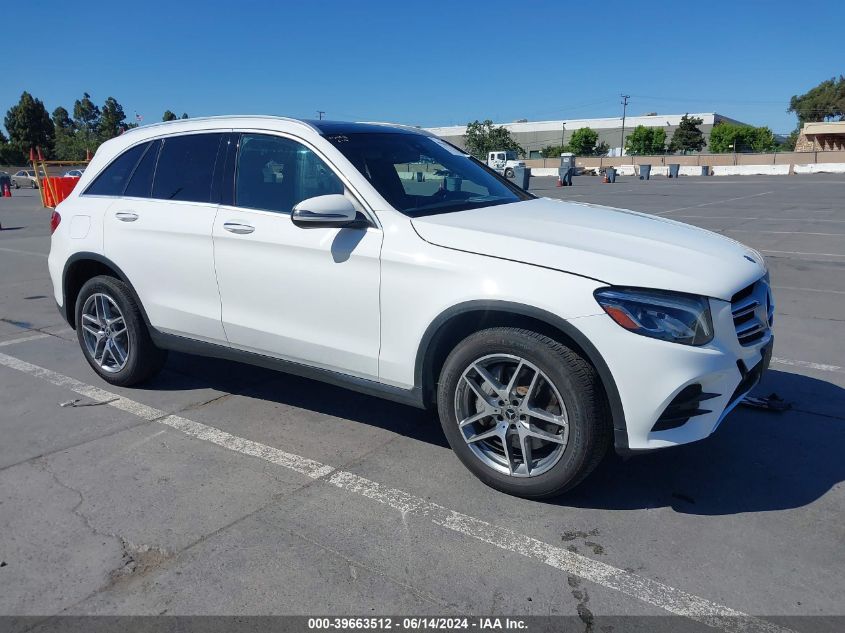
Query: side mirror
331, 211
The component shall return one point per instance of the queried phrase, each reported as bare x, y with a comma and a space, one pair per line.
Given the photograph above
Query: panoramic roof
329, 128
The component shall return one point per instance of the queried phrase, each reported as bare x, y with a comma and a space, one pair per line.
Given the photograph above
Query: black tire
590, 427
509, 173
144, 360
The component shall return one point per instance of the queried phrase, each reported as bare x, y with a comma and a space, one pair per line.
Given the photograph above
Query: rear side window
186, 167
275, 174
113, 179
141, 182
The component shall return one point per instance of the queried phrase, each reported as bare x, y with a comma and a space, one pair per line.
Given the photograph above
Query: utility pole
562, 132
624, 110
320, 114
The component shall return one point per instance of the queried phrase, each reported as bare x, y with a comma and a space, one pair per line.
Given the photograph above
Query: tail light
55, 220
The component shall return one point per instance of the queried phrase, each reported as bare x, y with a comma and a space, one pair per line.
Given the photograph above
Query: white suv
542, 330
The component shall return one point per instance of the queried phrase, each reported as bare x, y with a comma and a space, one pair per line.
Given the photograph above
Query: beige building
821, 137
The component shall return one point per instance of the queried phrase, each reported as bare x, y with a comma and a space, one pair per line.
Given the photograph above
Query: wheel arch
459, 321
78, 269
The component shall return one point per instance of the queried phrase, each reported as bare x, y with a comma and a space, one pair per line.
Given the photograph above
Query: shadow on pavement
756, 461
190, 372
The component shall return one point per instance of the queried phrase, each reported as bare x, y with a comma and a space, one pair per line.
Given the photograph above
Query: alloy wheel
511, 415
104, 332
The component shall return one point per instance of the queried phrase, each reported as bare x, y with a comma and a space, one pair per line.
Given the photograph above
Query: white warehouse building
533, 136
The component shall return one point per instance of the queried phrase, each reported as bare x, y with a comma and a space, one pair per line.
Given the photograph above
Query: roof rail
224, 116
413, 128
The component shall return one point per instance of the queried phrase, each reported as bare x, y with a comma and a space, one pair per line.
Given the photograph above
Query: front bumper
650, 374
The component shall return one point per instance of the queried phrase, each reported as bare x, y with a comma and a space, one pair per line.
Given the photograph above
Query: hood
614, 246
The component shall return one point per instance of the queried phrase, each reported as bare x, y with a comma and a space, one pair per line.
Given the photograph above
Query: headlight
668, 316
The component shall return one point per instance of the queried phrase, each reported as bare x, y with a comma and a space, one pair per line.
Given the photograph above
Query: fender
67, 311
620, 431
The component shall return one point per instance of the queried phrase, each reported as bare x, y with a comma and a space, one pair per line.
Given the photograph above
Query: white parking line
765, 250
824, 290
806, 365
783, 232
707, 204
644, 589
770, 218
23, 339
20, 252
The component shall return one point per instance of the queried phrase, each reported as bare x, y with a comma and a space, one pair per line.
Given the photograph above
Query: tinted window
141, 182
112, 180
276, 173
422, 175
186, 167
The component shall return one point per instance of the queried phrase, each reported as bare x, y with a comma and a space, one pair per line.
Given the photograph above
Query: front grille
753, 311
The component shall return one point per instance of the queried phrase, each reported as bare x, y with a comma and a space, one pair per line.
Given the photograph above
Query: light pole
320, 114
624, 111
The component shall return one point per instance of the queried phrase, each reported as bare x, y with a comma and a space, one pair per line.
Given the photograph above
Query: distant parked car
25, 178
73, 173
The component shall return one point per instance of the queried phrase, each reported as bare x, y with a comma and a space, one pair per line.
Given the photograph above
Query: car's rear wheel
523, 412
112, 333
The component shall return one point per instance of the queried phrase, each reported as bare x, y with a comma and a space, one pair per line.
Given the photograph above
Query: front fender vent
685, 405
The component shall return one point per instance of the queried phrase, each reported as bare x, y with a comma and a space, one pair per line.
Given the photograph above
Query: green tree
583, 141
30, 126
688, 137
554, 151
732, 137
9, 154
169, 116
66, 142
484, 137
646, 140
86, 117
823, 103
112, 120
184, 115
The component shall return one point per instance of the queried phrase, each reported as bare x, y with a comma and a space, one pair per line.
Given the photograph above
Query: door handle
237, 227
126, 216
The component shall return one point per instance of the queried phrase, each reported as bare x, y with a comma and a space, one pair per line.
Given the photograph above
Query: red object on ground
559, 183
7, 190
62, 187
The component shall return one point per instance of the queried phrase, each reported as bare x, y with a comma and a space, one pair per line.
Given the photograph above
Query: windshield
421, 175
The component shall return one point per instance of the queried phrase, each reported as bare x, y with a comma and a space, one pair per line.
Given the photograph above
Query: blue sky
427, 62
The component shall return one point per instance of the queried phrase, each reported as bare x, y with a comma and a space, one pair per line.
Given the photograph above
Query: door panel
168, 255
305, 295
161, 235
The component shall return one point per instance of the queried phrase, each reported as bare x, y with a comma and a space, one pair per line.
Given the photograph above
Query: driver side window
275, 174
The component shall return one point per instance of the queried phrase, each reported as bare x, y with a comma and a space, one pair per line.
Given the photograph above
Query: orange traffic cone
7, 190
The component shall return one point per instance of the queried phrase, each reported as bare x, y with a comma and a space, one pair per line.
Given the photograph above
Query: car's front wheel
525, 413
112, 333
509, 173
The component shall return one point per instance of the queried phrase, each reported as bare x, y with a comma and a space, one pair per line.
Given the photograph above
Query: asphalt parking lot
226, 489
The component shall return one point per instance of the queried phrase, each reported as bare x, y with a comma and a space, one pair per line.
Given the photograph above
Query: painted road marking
20, 252
707, 204
806, 365
765, 250
650, 591
836, 292
734, 217
23, 339
783, 232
